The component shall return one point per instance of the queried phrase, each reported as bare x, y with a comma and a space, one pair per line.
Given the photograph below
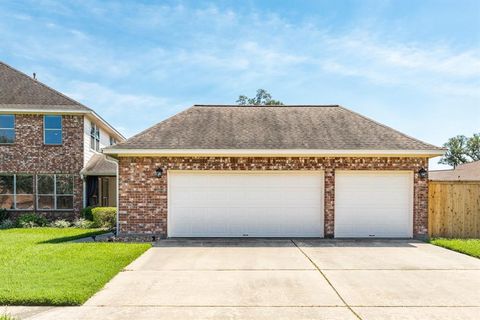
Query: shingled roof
329, 127
21, 92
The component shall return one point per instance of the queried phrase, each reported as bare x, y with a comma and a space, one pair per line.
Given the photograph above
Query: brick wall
143, 197
29, 155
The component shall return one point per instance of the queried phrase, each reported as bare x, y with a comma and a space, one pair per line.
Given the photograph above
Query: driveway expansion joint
328, 281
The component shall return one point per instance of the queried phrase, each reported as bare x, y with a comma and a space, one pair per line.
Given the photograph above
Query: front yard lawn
36, 268
467, 246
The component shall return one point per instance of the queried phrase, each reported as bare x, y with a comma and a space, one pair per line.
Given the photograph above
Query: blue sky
413, 65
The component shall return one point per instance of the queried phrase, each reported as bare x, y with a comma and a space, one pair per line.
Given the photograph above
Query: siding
104, 140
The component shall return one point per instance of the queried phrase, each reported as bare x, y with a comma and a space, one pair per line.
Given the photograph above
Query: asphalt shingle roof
22, 92
271, 127
463, 172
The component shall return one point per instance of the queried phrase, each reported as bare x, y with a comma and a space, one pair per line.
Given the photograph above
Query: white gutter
271, 152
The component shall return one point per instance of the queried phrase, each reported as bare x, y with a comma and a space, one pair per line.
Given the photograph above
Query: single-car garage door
245, 204
373, 204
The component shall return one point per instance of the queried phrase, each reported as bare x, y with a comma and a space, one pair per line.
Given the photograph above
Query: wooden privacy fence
454, 209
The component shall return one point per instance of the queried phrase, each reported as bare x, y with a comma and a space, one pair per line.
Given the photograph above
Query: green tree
461, 149
473, 147
262, 98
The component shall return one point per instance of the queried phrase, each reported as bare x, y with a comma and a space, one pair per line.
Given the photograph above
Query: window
112, 141
7, 128
16, 191
94, 137
55, 192
52, 129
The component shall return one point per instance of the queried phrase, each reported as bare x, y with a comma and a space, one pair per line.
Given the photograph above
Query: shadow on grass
76, 237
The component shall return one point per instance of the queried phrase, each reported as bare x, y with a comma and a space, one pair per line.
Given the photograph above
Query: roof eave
429, 153
79, 111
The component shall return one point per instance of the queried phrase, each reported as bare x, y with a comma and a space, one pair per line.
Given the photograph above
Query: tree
473, 147
461, 150
262, 98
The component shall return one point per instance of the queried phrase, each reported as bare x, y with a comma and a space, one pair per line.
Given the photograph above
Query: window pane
53, 136
6, 184
46, 202
25, 201
53, 122
7, 121
45, 184
24, 184
64, 202
6, 202
64, 184
7, 135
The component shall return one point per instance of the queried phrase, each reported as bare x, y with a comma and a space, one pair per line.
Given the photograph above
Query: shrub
31, 220
104, 217
7, 224
7, 317
83, 223
4, 214
60, 224
86, 213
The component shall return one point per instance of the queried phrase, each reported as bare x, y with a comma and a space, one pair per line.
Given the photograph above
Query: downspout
117, 193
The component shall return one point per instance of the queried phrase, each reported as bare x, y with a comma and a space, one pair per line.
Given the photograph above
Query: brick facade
29, 154
143, 196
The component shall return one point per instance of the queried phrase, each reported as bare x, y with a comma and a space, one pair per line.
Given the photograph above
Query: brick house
50, 150
283, 171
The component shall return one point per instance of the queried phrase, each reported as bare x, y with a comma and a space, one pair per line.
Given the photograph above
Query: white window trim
14, 132
54, 195
21, 194
45, 129
96, 140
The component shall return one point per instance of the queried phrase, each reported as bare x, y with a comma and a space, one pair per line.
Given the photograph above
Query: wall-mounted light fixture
422, 173
159, 172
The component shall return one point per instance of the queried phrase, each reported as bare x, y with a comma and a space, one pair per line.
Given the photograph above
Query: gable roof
20, 93
296, 127
18, 89
463, 172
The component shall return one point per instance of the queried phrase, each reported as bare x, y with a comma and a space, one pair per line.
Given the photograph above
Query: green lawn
467, 246
37, 268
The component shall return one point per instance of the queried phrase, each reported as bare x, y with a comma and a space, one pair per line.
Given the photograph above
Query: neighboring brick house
50, 146
277, 171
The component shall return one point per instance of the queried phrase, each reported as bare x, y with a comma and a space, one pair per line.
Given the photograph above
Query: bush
83, 223
86, 213
7, 224
7, 317
60, 224
31, 220
104, 217
4, 214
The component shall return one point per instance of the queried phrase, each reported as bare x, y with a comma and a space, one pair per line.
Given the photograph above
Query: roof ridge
43, 85
263, 106
388, 127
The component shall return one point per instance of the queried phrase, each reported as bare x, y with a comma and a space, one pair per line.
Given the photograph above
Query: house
463, 172
280, 171
50, 150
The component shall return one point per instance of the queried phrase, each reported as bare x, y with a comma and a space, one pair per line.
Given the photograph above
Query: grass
466, 246
36, 269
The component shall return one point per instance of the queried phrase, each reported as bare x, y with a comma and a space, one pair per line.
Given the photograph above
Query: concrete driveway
288, 279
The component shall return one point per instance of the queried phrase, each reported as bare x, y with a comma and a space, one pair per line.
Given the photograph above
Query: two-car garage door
245, 204
288, 204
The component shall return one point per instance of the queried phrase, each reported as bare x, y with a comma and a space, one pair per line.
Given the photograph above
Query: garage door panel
373, 204
226, 204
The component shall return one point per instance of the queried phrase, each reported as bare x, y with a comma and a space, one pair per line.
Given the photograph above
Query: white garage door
373, 204
245, 204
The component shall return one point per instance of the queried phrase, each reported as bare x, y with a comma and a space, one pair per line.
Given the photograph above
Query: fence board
454, 209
